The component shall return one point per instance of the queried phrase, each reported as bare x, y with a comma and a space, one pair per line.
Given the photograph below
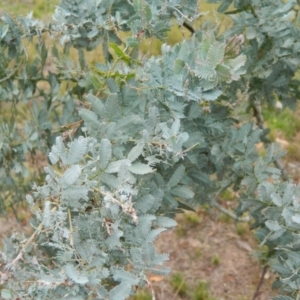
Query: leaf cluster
131, 141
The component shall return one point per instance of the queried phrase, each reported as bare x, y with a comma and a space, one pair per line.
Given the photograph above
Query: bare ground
212, 251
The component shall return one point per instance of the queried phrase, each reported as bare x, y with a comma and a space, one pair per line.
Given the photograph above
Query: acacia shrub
133, 140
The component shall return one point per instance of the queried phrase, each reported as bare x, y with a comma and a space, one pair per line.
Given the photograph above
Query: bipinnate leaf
97, 105
175, 127
176, 176
75, 193
273, 225
77, 150
224, 6
182, 192
58, 151
288, 194
6, 294
238, 62
90, 118
296, 218
153, 234
145, 204
211, 95
121, 291
277, 200
105, 152
70, 175
215, 54
165, 222
111, 106
4, 31
75, 275
135, 152
115, 166
140, 168
124, 276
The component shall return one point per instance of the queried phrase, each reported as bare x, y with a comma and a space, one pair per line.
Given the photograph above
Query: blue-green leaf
105, 152
176, 176
70, 175
182, 192
140, 168
77, 150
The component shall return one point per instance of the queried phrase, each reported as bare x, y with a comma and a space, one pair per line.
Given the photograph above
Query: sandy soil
212, 251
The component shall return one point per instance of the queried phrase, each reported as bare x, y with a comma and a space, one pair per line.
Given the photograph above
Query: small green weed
142, 295
293, 150
179, 284
201, 292
228, 195
198, 253
242, 228
286, 121
225, 218
180, 231
216, 259
192, 218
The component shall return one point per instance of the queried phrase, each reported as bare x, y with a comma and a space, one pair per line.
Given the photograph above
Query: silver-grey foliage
131, 141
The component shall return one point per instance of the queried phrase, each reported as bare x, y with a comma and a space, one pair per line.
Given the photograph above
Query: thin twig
261, 280
229, 213
261, 124
189, 27
10, 266
214, 203
71, 229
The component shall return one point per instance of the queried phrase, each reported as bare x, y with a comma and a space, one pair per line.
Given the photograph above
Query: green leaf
224, 6
119, 52
58, 151
75, 193
75, 275
115, 166
251, 33
165, 222
176, 177
97, 105
132, 41
120, 292
90, 118
140, 168
238, 62
105, 152
153, 234
77, 150
138, 5
135, 152
124, 276
296, 218
182, 192
215, 54
148, 12
178, 66
4, 31
70, 175
273, 225
111, 107
277, 200
6, 294
145, 204
175, 127
211, 95
288, 194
